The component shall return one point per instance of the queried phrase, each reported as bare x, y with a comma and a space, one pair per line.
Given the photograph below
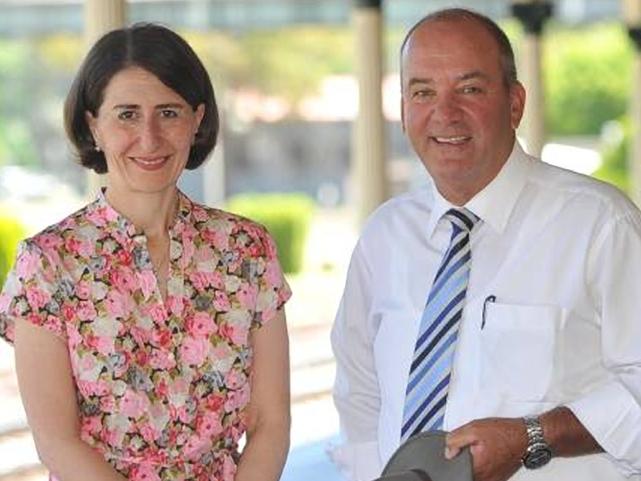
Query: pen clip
488, 299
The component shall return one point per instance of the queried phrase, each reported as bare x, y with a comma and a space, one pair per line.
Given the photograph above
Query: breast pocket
517, 350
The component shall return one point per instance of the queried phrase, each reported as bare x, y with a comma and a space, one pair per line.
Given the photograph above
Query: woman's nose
150, 135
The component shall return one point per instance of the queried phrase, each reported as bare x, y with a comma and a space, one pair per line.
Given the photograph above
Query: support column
632, 16
532, 14
100, 17
368, 138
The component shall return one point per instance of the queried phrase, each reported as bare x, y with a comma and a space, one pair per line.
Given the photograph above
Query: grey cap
422, 458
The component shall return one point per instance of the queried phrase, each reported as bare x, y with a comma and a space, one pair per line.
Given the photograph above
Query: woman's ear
91, 123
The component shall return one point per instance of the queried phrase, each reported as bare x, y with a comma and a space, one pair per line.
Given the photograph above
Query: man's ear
517, 103
402, 114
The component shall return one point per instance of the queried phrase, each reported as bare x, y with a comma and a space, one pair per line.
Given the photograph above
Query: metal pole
532, 14
101, 16
368, 140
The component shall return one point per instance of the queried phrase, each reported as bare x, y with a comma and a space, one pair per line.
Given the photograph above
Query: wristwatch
538, 452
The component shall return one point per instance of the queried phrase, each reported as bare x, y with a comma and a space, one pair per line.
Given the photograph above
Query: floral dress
162, 385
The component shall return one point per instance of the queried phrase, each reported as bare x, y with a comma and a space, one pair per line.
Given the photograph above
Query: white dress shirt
561, 253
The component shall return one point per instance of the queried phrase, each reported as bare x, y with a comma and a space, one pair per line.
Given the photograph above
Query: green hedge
11, 233
614, 154
286, 216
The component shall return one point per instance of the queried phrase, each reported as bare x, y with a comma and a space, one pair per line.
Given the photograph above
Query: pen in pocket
488, 299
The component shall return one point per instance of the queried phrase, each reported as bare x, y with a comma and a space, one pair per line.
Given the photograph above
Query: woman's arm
269, 418
48, 393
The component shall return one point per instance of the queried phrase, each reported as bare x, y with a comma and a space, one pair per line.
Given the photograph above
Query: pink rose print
118, 304
175, 305
37, 298
195, 447
208, 425
194, 351
149, 433
221, 301
26, 265
144, 472
237, 399
161, 360
247, 295
273, 274
235, 379
229, 468
133, 404
237, 334
147, 282
92, 424
83, 290
86, 311
201, 325
123, 279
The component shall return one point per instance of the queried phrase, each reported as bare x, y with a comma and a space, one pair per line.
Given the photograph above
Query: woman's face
145, 130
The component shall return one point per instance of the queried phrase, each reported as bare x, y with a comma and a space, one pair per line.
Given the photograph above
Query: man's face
457, 110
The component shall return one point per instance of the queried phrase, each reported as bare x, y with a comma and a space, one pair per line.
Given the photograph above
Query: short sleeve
32, 292
273, 290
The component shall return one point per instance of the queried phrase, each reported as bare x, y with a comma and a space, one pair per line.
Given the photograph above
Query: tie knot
462, 218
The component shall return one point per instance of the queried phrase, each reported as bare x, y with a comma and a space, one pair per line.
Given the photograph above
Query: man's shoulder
561, 183
399, 211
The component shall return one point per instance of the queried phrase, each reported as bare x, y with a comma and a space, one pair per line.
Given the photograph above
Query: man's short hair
159, 51
508, 64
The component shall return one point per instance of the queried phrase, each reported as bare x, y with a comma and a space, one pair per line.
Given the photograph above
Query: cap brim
426, 452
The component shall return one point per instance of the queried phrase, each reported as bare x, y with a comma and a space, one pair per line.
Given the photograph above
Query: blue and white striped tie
429, 376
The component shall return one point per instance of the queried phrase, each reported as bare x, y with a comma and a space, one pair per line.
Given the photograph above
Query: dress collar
102, 209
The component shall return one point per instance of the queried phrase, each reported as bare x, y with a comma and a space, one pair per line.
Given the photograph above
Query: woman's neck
153, 213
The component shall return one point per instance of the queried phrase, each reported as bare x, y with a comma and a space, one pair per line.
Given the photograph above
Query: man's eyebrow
418, 80
474, 75
126, 106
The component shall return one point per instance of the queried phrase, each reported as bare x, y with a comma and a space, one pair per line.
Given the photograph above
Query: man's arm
498, 444
356, 391
607, 416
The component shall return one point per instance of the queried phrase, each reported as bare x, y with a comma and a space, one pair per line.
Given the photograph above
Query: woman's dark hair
157, 50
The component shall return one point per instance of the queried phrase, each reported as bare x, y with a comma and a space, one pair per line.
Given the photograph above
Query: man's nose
447, 108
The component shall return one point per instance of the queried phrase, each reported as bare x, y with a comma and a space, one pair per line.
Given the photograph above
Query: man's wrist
538, 451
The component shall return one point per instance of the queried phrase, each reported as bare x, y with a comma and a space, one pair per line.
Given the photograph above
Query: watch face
537, 458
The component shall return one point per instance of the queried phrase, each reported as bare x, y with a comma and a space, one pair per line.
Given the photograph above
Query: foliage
291, 62
614, 168
286, 217
587, 77
11, 233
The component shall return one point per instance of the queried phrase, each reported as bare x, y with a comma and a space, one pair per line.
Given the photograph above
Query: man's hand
496, 445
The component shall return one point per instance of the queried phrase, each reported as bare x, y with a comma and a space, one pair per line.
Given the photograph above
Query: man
498, 302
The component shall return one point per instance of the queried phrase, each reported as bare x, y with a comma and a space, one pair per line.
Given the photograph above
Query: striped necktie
429, 375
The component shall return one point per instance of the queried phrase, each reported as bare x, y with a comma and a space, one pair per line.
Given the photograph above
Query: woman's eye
127, 115
169, 114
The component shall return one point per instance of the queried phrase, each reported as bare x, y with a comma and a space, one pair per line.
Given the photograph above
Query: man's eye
127, 115
421, 94
471, 89
168, 113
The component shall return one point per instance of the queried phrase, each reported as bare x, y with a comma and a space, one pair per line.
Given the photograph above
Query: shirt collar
496, 201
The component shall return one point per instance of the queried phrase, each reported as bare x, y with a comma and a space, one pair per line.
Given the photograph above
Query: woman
149, 330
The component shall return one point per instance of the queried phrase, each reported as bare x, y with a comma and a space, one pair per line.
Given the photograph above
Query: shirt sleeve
32, 292
611, 412
273, 290
356, 389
